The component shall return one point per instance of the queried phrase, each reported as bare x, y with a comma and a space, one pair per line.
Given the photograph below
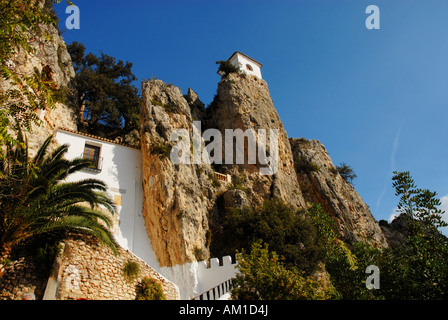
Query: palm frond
40, 155
35, 200
80, 224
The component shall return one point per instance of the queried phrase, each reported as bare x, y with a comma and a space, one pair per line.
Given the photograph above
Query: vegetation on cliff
107, 102
415, 270
22, 95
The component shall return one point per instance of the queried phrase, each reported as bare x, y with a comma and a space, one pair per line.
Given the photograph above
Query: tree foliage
346, 172
415, 270
108, 102
150, 289
280, 226
226, 67
264, 276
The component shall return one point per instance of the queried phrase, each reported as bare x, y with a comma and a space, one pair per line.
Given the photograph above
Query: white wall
121, 171
196, 278
240, 61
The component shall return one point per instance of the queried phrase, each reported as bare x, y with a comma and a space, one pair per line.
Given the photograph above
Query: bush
238, 183
301, 164
162, 149
227, 67
131, 270
278, 225
346, 172
150, 289
263, 276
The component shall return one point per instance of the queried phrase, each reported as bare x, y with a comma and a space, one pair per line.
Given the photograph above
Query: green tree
36, 201
346, 172
263, 276
108, 102
420, 205
280, 226
418, 269
346, 266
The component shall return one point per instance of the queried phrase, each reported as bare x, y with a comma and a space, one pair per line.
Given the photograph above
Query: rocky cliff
50, 55
244, 102
183, 202
321, 183
177, 197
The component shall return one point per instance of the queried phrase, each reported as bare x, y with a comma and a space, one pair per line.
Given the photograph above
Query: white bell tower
246, 64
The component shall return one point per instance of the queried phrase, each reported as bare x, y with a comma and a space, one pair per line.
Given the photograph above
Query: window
249, 67
93, 153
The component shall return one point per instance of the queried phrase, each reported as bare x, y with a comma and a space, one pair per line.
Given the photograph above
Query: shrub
346, 172
304, 165
215, 182
162, 149
280, 226
263, 276
227, 67
198, 253
131, 270
150, 289
238, 183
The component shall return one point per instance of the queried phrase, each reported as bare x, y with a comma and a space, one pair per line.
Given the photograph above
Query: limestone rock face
183, 204
177, 197
51, 55
244, 102
320, 183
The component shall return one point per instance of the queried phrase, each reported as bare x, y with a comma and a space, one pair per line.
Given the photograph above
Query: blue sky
377, 99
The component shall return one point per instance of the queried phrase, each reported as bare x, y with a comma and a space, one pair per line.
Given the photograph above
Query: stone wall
83, 270
22, 279
90, 271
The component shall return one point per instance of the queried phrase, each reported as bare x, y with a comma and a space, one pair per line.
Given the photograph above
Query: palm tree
36, 201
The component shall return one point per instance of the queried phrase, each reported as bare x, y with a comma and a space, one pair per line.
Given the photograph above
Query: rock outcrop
244, 102
177, 197
321, 183
51, 56
184, 204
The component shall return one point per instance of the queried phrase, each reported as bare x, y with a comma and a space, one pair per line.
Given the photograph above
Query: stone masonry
88, 270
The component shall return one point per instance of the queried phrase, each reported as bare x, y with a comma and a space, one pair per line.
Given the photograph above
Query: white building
120, 168
246, 64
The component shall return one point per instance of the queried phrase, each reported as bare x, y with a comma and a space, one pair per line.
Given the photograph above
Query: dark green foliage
346, 172
215, 181
419, 204
162, 149
131, 270
35, 200
238, 183
264, 276
226, 67
416, 270
150, 289
107, 100
301, 164
277, 224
